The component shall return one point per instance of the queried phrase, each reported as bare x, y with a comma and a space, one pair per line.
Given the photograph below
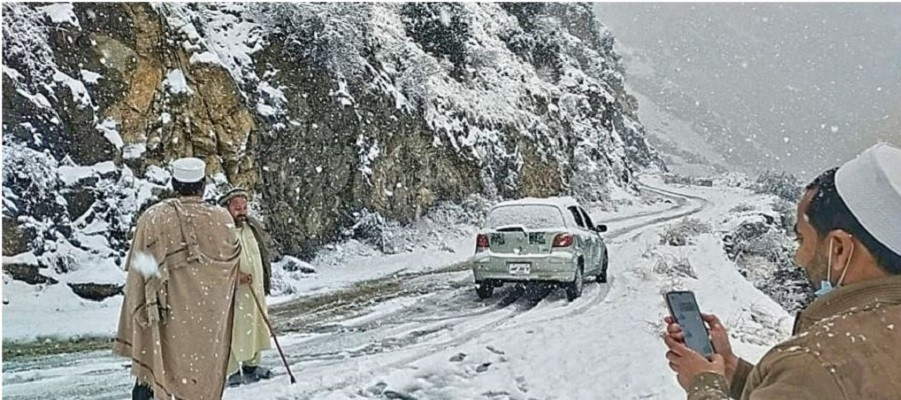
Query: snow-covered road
426, 335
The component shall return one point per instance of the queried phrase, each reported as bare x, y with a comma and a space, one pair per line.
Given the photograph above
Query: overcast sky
799, 87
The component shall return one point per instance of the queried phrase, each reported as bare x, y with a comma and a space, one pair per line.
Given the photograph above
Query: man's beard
817, 271
240, 219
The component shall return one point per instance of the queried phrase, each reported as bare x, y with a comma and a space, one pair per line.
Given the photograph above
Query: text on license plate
519, 268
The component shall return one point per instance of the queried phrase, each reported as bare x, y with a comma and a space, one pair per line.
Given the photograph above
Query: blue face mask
826, 286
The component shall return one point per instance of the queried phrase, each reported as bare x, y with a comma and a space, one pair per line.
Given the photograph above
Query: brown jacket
259, 233
176, 324
846, 345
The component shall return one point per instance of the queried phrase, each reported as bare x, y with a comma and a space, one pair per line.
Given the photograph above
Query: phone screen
684, 309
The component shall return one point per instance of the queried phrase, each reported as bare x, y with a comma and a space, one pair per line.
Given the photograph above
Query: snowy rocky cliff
325, 111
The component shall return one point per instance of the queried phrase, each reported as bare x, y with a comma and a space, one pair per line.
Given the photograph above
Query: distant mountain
796, 87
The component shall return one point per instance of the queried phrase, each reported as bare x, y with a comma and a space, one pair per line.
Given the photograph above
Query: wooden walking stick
272, 333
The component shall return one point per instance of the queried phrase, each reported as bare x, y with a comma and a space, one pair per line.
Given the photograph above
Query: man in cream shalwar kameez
250, 335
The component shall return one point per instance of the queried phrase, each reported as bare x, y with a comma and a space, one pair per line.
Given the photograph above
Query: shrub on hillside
743, 207
675, 267
684, 232
763, 250
373, 229
782, 184
441, 29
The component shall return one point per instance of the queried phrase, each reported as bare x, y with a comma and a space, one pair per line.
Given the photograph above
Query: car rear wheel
602, 276
484, 289
574, 289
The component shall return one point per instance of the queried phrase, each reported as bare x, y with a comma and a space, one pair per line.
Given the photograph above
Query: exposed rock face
94, 291
321, 110
388, 120
29, 274
13, 238
310, 195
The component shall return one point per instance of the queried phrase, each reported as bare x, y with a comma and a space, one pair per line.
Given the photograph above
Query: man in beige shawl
176, 319
250, 335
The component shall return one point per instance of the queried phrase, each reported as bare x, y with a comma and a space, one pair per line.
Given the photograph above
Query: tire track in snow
702, 205
578, 307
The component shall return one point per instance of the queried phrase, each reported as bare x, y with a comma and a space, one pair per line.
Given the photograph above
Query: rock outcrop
321, 110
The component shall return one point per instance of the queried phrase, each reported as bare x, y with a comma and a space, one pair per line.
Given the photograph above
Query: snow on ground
438, 341
339, 267
646, 204
33, 309
53, 311
354, 262
552, 349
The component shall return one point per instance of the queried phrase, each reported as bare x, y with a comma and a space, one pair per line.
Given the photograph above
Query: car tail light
563, 240
481, 242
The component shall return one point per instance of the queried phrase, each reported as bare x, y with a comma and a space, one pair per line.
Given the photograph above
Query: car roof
560, 202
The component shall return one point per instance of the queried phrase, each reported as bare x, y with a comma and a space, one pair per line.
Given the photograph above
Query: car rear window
532, 217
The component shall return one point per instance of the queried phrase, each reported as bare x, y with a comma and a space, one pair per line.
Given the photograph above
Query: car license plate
519, 268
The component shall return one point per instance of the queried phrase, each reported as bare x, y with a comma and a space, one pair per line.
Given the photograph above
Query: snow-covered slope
606, 345
684, 149
789, 86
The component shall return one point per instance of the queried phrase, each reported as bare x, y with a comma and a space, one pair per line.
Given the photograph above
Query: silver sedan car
539, 240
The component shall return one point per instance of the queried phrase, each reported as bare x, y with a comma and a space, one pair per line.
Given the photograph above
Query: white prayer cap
188, 170
871, 187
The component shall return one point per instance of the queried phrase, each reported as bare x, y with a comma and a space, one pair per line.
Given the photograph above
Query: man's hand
718, 336
245, 279
688, 364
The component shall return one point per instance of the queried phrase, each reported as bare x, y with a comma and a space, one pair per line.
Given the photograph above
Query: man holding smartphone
847, 343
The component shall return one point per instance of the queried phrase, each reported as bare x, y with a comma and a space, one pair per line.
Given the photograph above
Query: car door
595, 242
583, 236
603, 257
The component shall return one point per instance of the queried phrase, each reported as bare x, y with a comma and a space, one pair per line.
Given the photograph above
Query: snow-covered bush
30, 175
762, 250
74, 217
675, 267
743, 207
373, 229
787, 214
684, 232
442, 29
444, 220
782, 184
531, 43
287, 273
471, 211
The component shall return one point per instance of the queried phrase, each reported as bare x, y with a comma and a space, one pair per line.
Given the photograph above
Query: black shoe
254, 373
235, 379
262, 373
141, 392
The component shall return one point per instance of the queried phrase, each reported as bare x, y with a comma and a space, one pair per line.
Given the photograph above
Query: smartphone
684, 309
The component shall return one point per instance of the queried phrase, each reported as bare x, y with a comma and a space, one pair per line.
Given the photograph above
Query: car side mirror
601, 228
